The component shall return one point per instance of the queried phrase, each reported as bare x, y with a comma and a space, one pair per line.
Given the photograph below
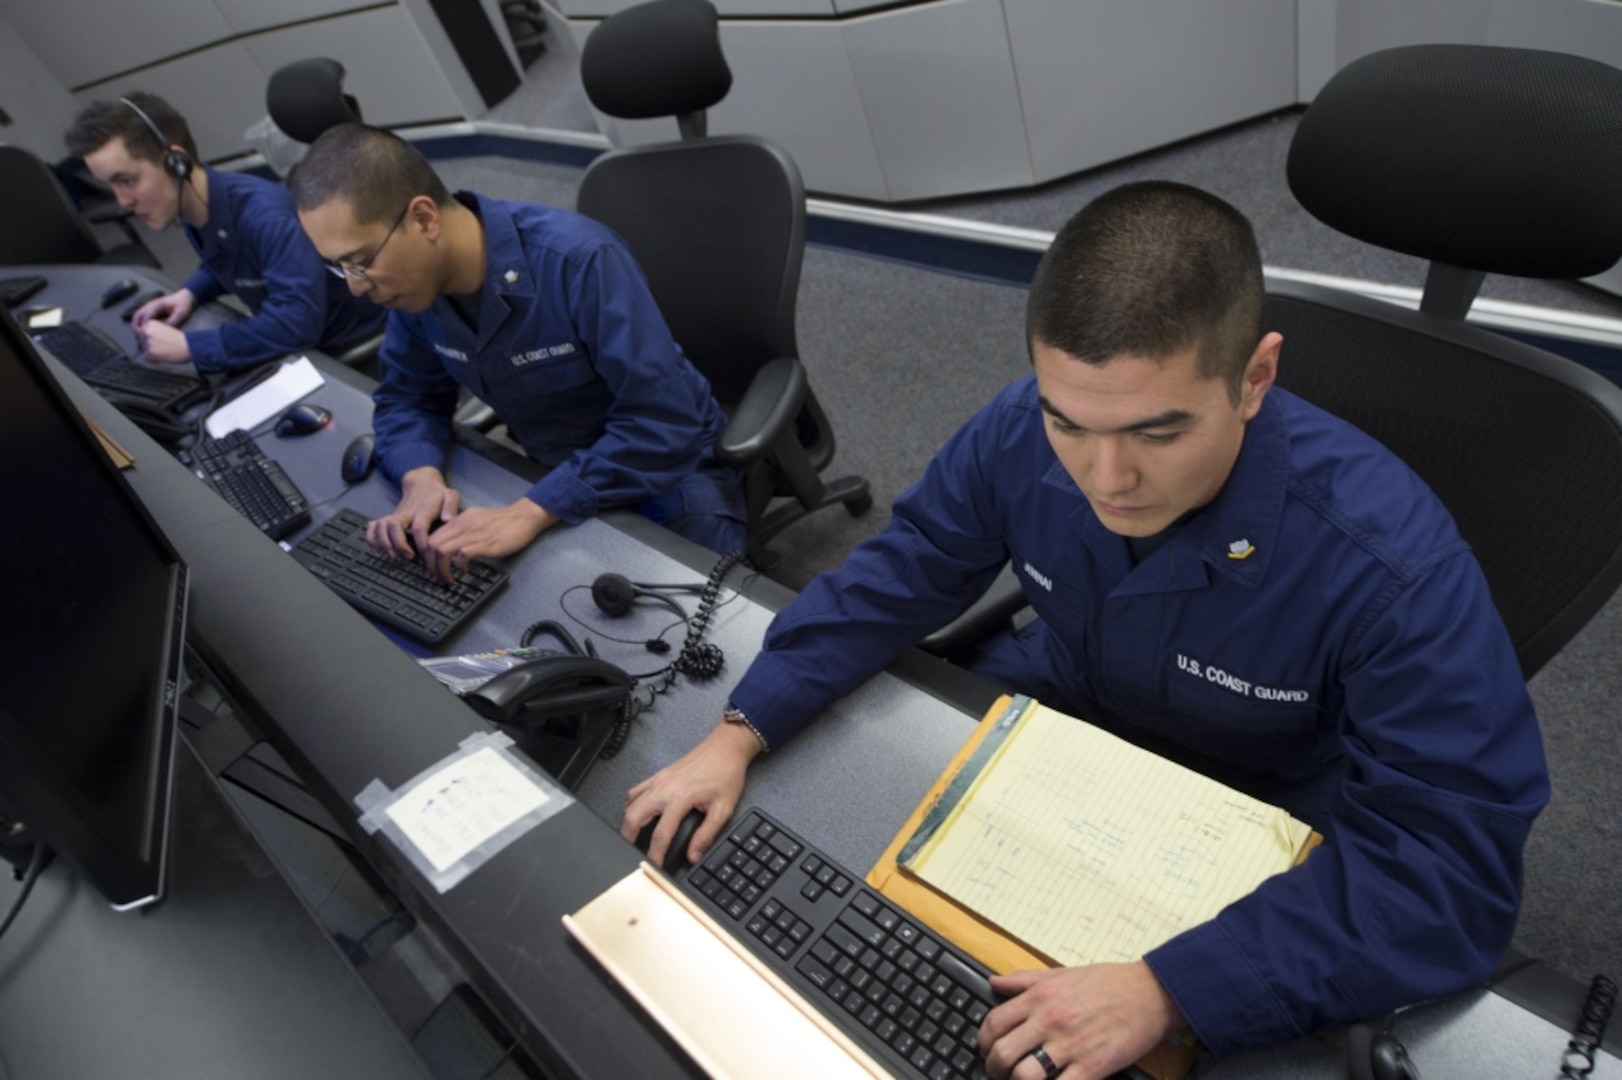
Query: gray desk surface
846, 785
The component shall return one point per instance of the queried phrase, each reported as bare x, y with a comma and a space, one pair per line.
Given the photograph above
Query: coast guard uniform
254, 248
571, 352
1319, 636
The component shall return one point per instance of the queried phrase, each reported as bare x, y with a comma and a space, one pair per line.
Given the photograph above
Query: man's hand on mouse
173, 309
708, 777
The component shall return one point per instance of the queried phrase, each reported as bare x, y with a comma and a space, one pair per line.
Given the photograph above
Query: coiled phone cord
1589, 1032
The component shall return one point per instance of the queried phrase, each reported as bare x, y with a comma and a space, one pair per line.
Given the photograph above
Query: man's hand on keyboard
482, 532
163, 343
173, 309
1091, 1021
709, 777
425, 502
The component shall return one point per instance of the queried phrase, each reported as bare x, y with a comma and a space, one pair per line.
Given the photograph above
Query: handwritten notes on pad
1089, 849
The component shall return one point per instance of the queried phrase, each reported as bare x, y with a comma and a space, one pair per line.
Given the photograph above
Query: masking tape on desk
455, 815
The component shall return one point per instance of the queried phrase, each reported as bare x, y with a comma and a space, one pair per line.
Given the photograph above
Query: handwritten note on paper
1089, 849
452, 811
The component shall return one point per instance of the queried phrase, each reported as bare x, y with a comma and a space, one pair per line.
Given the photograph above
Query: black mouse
359, 459
119, 290
303, 419
676, 853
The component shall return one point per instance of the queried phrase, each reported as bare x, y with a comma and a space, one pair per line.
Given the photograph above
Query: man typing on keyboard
542, 314
243, 229
1229, 576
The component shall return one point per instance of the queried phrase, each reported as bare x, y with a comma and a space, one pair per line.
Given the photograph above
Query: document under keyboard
253, 483
910, 999
403, 594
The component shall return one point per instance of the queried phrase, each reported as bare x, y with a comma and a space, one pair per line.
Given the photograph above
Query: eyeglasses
358, 271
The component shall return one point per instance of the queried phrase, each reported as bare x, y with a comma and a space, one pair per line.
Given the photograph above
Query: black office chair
1479, 159
307, 97
42, 225
718, 225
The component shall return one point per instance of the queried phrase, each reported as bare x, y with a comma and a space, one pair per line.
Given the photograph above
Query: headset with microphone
615, 594
176, 162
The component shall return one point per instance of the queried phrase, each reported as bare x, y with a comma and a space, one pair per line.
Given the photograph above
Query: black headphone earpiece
177, 163
615, 595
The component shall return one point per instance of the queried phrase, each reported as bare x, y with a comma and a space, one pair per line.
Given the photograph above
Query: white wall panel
387, 65
1591, 28
727, 9
83, 41
40, 107
1365, 26
937, 85
1104, 79
220, 91
247, 16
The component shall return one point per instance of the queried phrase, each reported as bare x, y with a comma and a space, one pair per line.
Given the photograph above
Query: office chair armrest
989, 615
765, 414
362, 353
109, 215
138, 253
115, 215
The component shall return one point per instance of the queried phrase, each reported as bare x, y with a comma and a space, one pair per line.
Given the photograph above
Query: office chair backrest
1478, 158
307, 97
40, 223
658, 59
1523, 447
730, 208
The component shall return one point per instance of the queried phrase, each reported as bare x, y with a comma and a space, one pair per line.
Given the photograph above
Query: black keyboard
910, 999
14, 290
102, 364
254, 484
405, 595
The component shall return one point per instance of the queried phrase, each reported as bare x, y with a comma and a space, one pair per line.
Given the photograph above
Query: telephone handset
159, 423
550, 688
562, 710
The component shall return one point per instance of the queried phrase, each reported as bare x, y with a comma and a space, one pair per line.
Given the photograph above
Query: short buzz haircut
102, 121
1150, 269
375, 171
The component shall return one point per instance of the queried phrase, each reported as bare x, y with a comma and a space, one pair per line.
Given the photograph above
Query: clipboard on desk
966, 925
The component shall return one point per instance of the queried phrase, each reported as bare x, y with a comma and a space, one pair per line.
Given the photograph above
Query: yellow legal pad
1049, 842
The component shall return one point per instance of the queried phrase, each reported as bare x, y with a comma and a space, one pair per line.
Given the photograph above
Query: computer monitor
95, 610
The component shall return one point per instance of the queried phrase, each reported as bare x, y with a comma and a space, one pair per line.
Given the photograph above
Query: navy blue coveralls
1351, 668
573, 355
254, 248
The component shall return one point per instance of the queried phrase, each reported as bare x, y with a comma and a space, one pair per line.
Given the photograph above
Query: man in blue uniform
542, 314
1231, 577
243, 229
